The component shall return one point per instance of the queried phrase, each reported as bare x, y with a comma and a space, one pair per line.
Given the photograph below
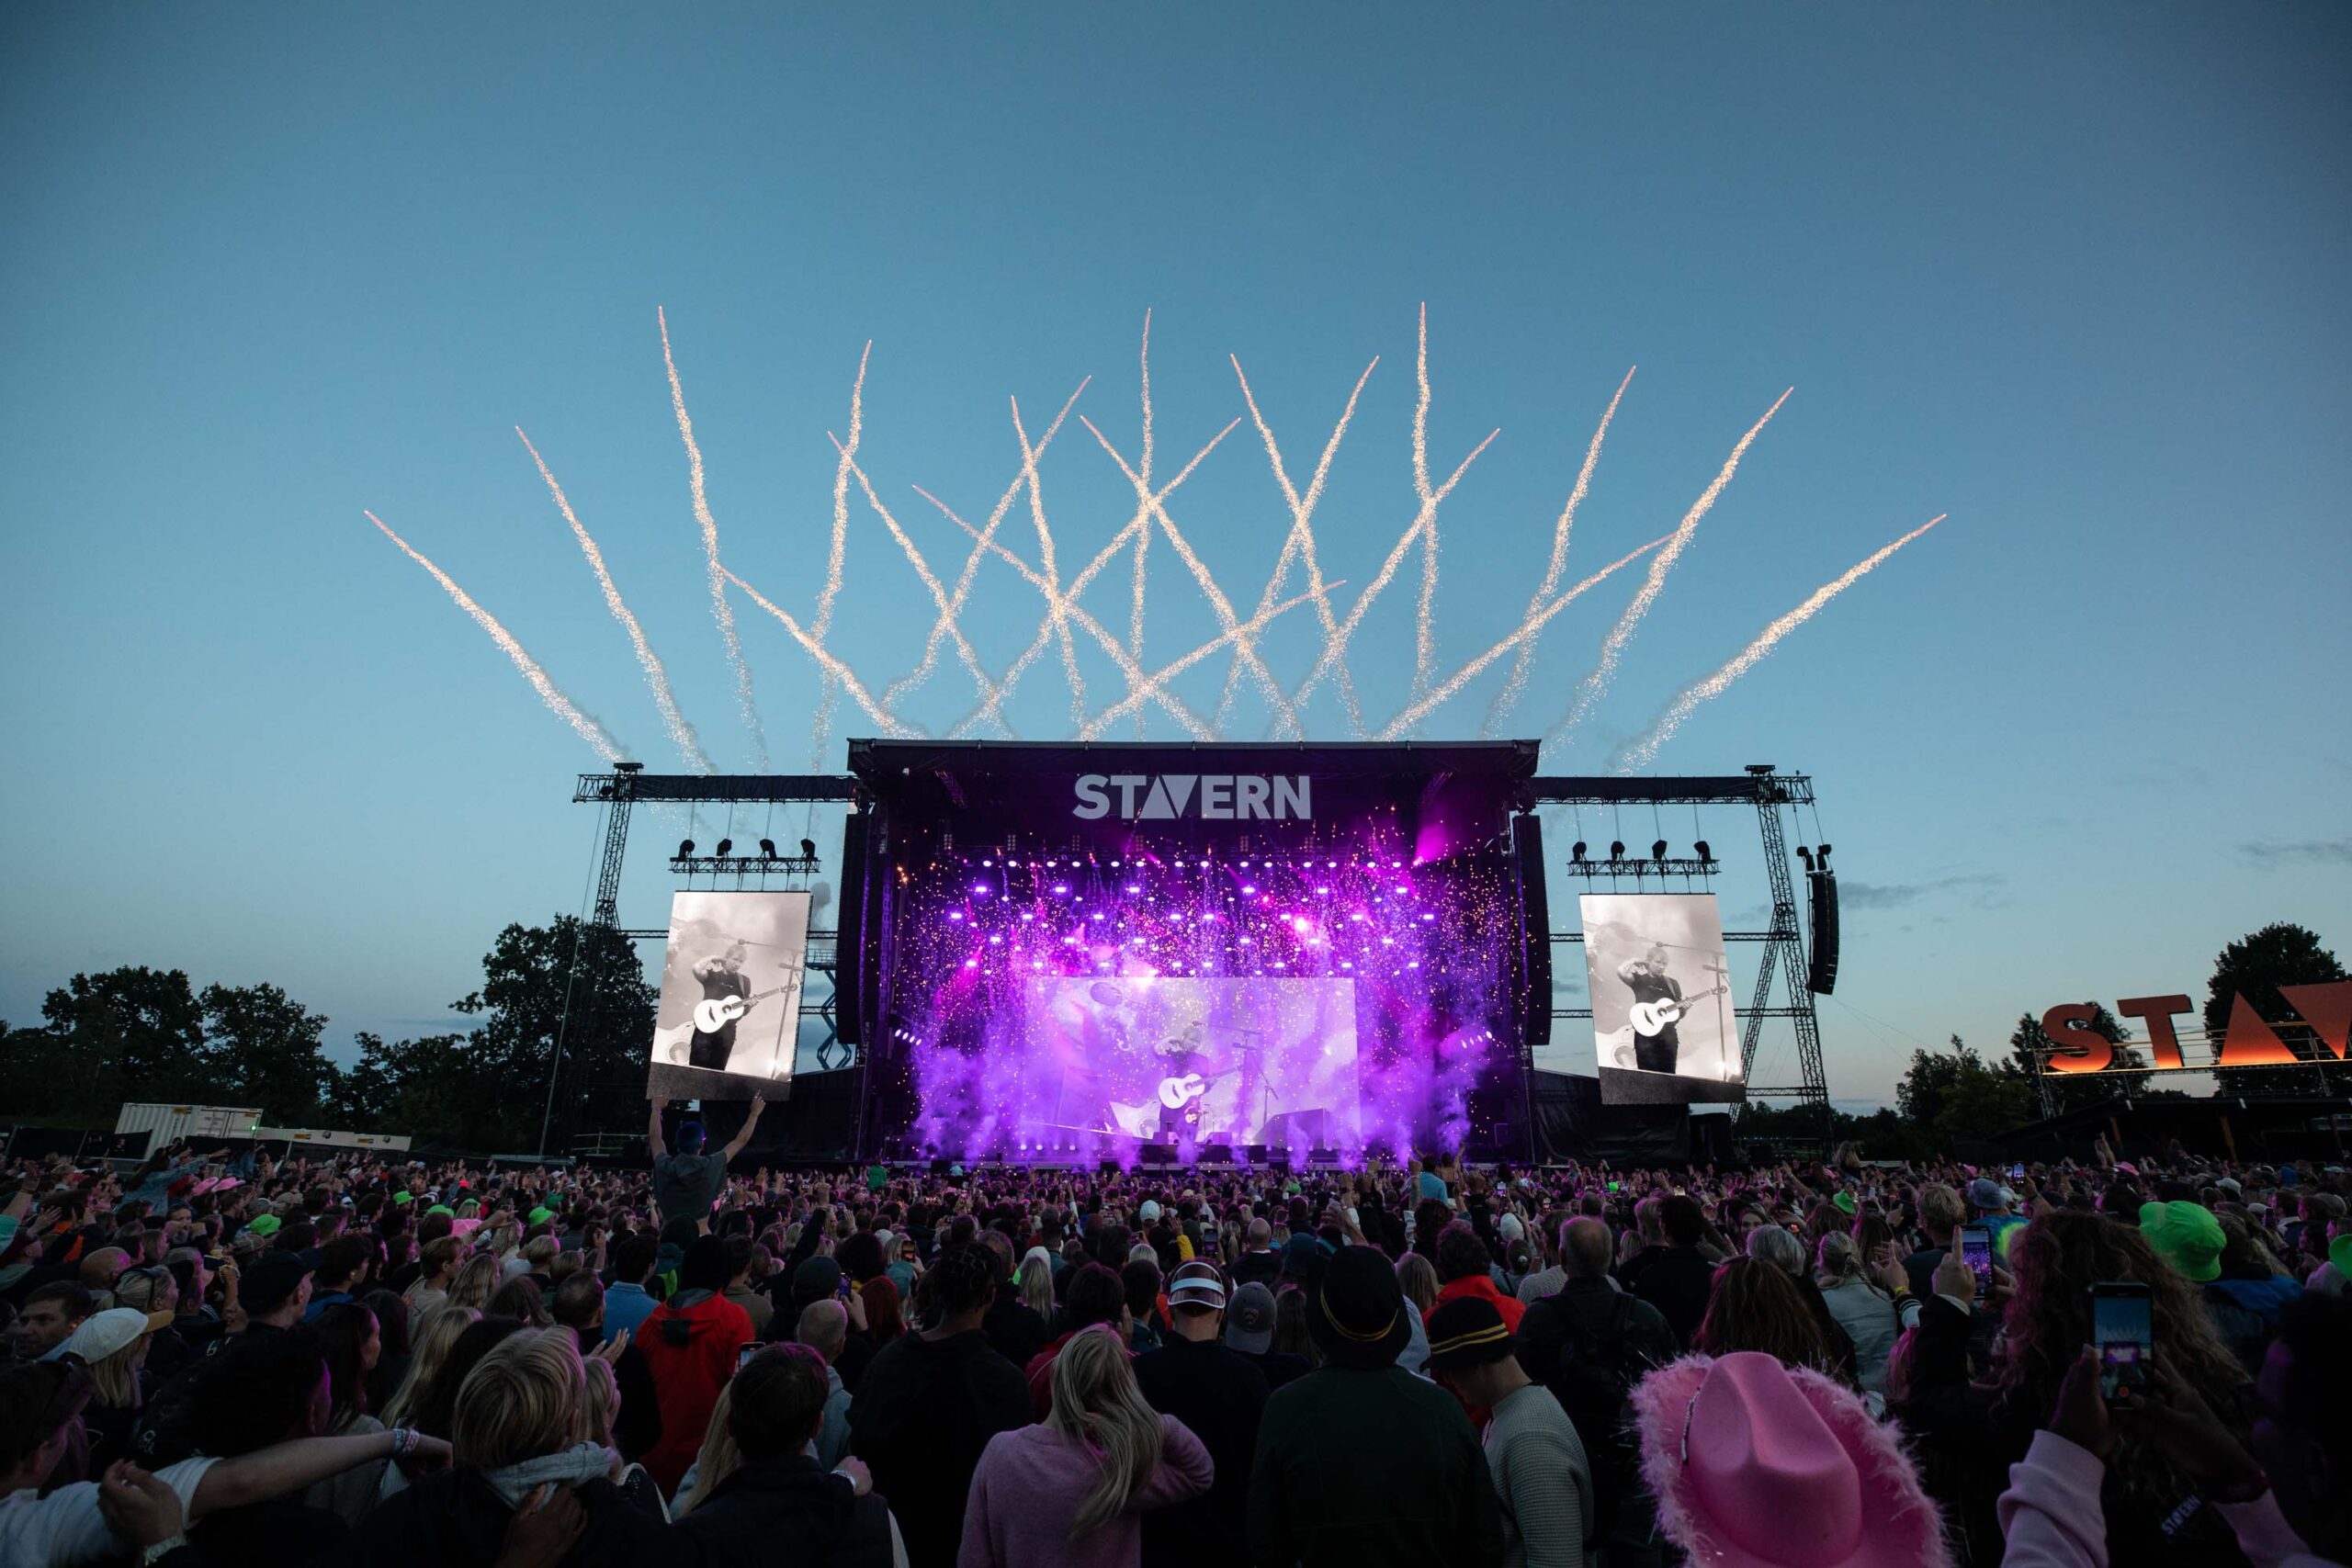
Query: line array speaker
849, 951
1534, 930
1821, 975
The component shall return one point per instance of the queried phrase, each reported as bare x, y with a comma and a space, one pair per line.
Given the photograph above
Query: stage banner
1662, 1021
729, 1022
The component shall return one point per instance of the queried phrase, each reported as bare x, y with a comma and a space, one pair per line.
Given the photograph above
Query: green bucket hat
442, 1209
403, 1196
266, 1226
1844, 1200
542, 1216
2186, 1236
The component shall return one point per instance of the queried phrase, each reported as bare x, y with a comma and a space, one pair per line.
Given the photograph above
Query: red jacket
1480, 1285
690, 1351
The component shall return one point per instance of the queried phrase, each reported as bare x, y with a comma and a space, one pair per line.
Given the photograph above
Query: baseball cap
1149, 1212
103, 1333
266, 1226
270, 1280
1250, 1322
1196, 1285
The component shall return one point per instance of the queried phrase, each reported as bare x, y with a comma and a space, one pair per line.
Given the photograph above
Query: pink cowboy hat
1758, 1465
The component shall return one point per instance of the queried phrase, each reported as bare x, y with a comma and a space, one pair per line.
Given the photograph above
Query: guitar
715, 1013
1178, 1093
1651, 1019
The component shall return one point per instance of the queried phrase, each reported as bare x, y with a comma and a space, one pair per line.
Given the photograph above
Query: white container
314, 1137
170, 1123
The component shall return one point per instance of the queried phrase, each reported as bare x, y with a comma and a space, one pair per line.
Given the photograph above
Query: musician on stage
722, 978
1648, 980
1180, 1055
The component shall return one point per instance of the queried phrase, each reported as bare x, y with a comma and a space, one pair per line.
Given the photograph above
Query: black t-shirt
686, 1187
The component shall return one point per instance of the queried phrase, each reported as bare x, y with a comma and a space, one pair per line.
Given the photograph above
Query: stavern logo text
1209, 796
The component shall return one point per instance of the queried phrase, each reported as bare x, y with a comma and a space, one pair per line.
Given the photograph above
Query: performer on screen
722, 978
1646, 978
1181, 1066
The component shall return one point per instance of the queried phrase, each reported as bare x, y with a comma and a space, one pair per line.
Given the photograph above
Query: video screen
729, 1021
1195, 1062
1662, 1020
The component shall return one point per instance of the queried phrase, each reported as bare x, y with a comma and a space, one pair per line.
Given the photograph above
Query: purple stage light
954, 914
1061, 887
1249, 887
1135, 888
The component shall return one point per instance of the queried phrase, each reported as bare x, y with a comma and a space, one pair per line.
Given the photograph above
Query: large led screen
728, 1020
1662, 1021
1195, 1062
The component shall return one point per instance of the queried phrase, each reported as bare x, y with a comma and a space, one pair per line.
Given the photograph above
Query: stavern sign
2324, 1008
1210, 797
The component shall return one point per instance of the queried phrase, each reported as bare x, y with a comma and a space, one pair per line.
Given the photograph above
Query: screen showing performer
729, 1021
1662, 1020
1197, 1061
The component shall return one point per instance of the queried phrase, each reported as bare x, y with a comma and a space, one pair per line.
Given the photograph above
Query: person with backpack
1590, 1344
1534, 1453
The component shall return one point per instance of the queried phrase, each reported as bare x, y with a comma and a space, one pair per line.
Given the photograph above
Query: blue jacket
627, 1306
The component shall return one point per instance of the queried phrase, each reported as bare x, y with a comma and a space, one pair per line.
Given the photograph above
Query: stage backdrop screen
728, 1020
1662, 1020
1195, 1062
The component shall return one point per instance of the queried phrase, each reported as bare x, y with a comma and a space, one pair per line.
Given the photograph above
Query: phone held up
1976, 1251
2123, 1330
744, 1352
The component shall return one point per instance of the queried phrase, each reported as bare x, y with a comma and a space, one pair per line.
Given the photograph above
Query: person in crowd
1140, 1281
778, 1503
627, 1300
1249, 1333
1941, 1216
931, 1400
476, 1281
1465, 1268
823, 1327
1016, 1330
49, 1521
1678, 1280
1416, 1277
1096, 1294
263, 1390
1864, 1310
1420, 1495
1993, 1202
114, 1345
50, 1315
1554, 1274
690, 1343
1034, 1283
1533, 1454
521, 1299
746, 1274
715, 1461
354, 1342
2243, 1311
393, 1346
151, 1290
1073, 1489
884, 1319
687, 1183
1259, 1264
1757, 1306
517, 1452
1756, 1462
436, 1332
341, 1273
1219, 1394
437, 1407
436, 1272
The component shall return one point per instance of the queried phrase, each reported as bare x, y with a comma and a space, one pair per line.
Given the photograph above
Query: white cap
104, 1333
1149, 1212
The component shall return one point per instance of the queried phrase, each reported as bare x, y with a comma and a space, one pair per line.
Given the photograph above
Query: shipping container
312, 1137
170, 1123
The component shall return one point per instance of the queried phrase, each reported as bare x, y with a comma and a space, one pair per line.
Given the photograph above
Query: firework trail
832, 666
1517, 683
1301, 538
1143, 540
921, 671
719, 605
1641, 753
1424, 622
1335, 646
1152, 683
826, 692
1521, 636
682, 733
1244, 646
964, 651
1051, 569
1613, 647
563, 707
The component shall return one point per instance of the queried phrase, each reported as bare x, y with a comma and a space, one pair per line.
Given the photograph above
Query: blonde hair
1037, 1282
429, 1343
599, 1400
1417, 1277
522, 1400
114, 1380
475, 1282
719, 1459
1097, 1402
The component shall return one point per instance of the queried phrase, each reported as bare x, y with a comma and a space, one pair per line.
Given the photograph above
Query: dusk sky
2073, 276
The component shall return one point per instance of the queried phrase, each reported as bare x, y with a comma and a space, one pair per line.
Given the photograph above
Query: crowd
217, 1360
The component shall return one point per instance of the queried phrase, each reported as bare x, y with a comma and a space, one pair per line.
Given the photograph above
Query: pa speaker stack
1821, 975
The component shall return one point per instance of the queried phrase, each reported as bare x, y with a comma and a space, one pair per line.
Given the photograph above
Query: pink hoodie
1027, 1490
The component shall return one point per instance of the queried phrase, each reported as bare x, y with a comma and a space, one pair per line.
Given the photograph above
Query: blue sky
2071, 275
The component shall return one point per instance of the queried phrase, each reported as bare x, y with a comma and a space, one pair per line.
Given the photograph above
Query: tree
1960, 1096
579, 985
2070, 1091
2255, 966
127, 1032
1920, 1096
262, 1048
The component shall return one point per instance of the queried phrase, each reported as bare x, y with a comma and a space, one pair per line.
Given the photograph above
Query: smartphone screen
2017, 1173
2125, 1333
744, 1352
1976, 1251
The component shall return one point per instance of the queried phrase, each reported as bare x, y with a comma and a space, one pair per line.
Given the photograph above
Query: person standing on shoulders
686, 1184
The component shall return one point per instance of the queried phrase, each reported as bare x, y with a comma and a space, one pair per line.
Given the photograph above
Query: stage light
686, 847
1703, 852
1658, 849
1805, 855
1576, 853
1823, 852
726, 847
767, 849
1617, 849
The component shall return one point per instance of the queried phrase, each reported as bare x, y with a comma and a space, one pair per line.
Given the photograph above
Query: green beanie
2186, 1236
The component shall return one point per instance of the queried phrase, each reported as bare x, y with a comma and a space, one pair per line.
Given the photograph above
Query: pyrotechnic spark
835, 554
1143, 538
1424, 624
682, 733
1244, 646
1051, 569
1525, 662
719, 605
840, 671
1029, 461
1613, 647
1643, 751
1154, 683
563, 707
1520, 638
1302, 537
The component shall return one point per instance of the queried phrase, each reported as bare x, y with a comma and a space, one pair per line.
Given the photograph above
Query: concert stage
1073, 953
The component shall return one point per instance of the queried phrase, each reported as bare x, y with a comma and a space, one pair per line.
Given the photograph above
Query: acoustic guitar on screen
1652, 1019
715, 1013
